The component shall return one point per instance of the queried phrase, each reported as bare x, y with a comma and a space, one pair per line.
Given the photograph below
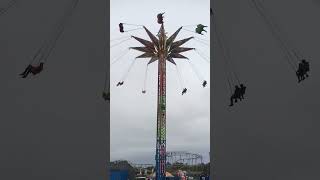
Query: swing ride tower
161, 110
161, 49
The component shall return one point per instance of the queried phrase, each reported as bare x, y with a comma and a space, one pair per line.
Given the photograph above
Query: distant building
121, 169
119, 175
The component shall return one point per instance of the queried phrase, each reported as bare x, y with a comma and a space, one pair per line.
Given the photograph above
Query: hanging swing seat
204, 83
121, 27
120, 83
32, 69
160, 18
184, 91
200, 29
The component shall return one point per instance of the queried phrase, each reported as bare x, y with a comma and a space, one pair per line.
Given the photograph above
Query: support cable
204, 43
132, 24
207, 59
275, 34
145, 79
10, 5
285, 40
127, 72
120, 38
47, 47
120, 42
182, 84
195, 70
122, 55
230, 71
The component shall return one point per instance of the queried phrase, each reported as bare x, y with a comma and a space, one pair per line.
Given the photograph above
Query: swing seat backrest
36, 69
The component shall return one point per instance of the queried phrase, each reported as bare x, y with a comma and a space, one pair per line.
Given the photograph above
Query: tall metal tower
161, 49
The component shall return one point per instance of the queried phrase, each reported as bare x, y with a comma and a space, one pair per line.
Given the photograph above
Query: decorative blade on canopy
143, 49
146, 55
162, 44
181, 49
181, 42
153, 59
145, 42
152, 37
171, 60
177, 55
173, 37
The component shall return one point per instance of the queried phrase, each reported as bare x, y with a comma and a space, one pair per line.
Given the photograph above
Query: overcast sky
133, 114
274, 133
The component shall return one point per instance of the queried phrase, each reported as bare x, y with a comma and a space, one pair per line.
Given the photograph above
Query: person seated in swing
306, 67
204, 83
160, 18
242, 91
32, 69
121, 27
27, 70
200, 29
120, 83
303, 68
235, 96
184, 91
299, 72
106, 96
